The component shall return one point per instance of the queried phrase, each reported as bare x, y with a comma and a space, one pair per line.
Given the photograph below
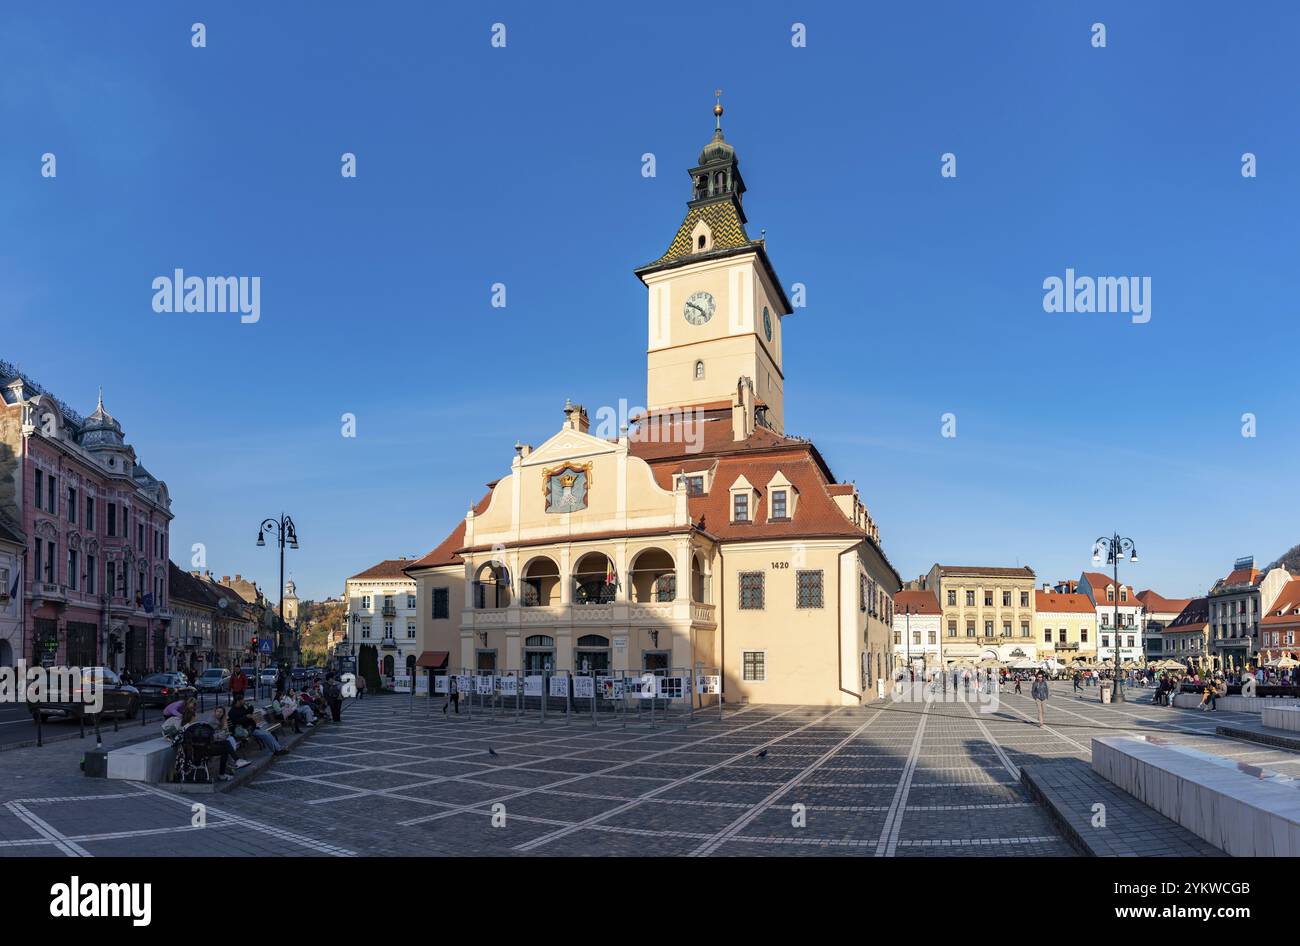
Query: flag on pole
610, 577
13, 592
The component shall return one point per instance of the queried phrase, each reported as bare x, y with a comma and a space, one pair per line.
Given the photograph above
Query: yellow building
1065, 626
988, 612
699, 536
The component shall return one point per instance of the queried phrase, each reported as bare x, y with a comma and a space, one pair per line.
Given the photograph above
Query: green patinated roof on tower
721, 217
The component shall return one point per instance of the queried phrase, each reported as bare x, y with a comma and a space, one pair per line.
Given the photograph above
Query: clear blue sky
522, 165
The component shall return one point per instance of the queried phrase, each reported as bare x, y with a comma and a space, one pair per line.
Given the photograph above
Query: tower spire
717, 112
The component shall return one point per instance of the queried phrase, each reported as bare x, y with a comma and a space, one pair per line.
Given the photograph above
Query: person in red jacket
238, 683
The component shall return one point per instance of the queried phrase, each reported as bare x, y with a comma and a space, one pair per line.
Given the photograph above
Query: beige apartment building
1065, 626
698, 537
988, 612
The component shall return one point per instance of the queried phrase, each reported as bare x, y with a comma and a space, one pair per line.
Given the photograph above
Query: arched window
539, 640
593, 640
699, 368
700, 242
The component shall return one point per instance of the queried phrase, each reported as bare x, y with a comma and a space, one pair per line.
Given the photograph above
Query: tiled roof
1288, 601
1242, 576
722, 219
920, 602
1156, 603
1099, 581
990, 571
1051, 602
389, 568
10, 534
1194, 617
182, 586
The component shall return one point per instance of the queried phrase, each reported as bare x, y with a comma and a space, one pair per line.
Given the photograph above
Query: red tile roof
920, 602
1156, 603
1288, 601
1243, 576
1051, 602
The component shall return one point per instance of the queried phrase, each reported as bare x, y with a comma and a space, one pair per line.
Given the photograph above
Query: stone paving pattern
889, 779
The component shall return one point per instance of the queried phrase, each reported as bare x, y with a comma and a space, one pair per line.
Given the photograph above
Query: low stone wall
1282, 717
1245, 813
1235, 704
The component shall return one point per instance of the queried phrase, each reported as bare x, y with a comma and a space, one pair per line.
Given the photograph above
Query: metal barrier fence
667, 696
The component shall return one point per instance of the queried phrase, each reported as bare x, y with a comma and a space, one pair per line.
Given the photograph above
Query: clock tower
715, 304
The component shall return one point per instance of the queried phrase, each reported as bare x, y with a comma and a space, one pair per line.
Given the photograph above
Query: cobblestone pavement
889, 779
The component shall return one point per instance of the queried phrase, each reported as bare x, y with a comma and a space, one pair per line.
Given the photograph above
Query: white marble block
1242, 809
148, 761
1282, 717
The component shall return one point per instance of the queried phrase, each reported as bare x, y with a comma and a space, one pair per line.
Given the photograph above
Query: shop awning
433, 660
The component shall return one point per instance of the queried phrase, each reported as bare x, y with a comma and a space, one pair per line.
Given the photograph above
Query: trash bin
1105, 693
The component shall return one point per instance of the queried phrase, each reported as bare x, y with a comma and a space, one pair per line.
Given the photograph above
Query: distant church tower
290, 604
715, 303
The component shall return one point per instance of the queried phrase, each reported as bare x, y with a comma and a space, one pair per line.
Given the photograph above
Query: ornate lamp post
1115, 548
285, 532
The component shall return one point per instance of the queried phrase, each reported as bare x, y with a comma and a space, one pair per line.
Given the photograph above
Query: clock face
767, 323
698, 308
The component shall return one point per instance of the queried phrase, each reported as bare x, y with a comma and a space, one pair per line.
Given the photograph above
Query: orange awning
433, 659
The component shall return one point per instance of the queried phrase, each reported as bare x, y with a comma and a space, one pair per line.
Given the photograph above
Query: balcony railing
389, 610
389, 643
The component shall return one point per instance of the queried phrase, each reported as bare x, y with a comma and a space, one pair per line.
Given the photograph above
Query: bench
1242, 809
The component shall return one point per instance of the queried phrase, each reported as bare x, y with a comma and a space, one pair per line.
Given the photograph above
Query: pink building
94, 570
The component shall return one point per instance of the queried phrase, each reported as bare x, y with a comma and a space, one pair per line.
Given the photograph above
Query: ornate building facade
698, 537
96, 522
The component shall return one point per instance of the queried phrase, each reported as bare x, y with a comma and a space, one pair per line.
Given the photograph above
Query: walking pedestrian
453, 696
1039, 692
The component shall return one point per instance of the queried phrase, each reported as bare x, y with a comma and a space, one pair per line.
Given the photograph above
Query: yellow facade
987, 612
732, 552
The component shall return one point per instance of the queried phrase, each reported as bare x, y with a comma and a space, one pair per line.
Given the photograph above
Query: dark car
160, 689
118, 699
213, 680
299, 674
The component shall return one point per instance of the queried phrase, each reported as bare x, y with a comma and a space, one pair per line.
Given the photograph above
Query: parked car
119, 699
213, 680
160, 689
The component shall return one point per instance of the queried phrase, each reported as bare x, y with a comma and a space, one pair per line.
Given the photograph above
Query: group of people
299, 708
229, 725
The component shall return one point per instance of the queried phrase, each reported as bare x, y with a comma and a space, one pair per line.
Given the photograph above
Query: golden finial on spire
717, 109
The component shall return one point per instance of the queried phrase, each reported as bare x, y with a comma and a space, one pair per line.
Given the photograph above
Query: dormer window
702, 237
743, 498
782, 498
695, 485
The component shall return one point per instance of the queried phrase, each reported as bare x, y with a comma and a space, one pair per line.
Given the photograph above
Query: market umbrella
1285, 663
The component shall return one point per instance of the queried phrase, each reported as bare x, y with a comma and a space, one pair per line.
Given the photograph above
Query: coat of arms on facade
565, 487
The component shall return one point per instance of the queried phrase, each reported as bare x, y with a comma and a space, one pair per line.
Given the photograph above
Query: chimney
225, 579
742, 409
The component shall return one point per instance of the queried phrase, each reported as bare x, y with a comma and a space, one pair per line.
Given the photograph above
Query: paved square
890, 779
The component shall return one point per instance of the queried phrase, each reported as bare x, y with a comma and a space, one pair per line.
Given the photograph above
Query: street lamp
286, 533
1115, 549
